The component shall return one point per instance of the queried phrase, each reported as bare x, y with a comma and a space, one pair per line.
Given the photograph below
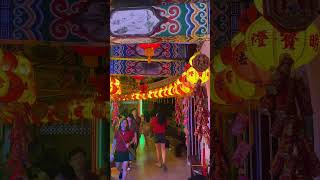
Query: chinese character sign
265, 44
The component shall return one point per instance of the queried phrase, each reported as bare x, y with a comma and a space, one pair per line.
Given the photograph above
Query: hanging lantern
179, 90
259, 5
160, 95
78, 112
247, 16
165, 91
265, 44
176, 89
246, 69
213, 94
115, 88
144, 96
170, 90
185, 82
155, 93
16, 88
8, 61
149, 94
222, 90
133, 97
193, 57
149, 50
138, 96
4, 83
205, 76
218, 64
24, 67
192, 75
61, 111
143, 88
88, 106
38, 112
239, 87
29, 94
185, 89
200, 62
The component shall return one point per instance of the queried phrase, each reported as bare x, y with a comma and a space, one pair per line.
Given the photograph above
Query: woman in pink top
123, 139
158, 126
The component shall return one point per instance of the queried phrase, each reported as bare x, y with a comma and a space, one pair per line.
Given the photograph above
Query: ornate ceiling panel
160, 69
165, 51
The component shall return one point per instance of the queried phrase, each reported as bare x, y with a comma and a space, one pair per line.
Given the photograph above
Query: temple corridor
145, 169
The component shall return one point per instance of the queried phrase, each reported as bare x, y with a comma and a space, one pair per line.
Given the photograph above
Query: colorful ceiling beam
53, 21
181, 23
163, 69
196, 71
165, 51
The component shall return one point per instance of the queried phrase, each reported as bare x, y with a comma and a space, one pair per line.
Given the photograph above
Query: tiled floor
145, 169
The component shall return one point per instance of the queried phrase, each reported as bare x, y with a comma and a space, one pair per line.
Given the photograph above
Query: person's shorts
160, 138
121, 156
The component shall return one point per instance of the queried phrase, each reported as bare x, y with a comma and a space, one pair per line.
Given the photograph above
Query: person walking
158, 126
134, 124
121, 150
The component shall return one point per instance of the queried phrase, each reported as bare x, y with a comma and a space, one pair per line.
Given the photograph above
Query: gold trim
144, 59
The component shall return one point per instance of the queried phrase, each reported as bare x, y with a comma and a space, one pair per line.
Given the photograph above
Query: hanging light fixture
149, 49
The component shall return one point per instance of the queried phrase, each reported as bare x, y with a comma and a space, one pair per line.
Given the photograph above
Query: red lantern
187, 66
222, 90
38, 112
143, 88
16, 88
9, 63
226, 55
246, 69
149, 49
138, 77
247, 17
78, 111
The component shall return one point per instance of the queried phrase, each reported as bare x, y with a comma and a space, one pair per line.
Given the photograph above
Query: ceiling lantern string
196, 70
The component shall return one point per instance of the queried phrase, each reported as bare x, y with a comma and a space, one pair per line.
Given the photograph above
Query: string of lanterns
17, 84
183, 86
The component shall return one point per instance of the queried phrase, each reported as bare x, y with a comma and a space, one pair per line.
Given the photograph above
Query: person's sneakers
164, 167
159, 165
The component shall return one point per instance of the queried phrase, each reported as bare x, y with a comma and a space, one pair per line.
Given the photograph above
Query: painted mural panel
165, 51
180, 23
145, 68
54, 20
136, 22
